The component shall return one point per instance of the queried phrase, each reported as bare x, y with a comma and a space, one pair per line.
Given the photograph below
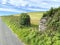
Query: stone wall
42, 25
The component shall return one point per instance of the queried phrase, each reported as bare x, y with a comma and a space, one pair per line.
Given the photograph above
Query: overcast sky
8, 7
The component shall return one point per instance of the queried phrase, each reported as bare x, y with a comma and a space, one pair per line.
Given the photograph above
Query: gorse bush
24, 19
53, 18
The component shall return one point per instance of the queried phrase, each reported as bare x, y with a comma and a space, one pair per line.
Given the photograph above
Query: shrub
24, 19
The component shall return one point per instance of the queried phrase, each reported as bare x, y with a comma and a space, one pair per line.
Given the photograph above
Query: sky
9, 7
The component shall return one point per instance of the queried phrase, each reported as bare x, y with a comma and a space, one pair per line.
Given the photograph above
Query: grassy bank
31, 35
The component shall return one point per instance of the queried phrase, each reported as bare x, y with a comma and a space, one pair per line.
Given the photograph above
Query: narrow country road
7, 37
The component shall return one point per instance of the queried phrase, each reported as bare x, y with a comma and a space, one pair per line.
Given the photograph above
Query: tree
24, 19
51, 12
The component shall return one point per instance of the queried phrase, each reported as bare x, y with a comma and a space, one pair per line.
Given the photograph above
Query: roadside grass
30, 35
26, 34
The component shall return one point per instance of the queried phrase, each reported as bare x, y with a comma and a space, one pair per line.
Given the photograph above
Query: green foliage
53, 18
49, 13
31, 36
24, 19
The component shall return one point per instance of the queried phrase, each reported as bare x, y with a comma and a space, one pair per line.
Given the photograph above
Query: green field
35, 17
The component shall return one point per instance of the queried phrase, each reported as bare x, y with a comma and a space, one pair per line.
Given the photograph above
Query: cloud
11, 10
36, 3
28, 5
4, 1
36, 9
23, 3
18, 2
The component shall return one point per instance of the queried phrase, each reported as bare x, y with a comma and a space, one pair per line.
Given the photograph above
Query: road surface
7, 37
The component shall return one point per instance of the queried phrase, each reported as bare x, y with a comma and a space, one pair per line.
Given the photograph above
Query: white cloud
31, 3
4, 1
18, 2
35, 9
56, 0
11, 10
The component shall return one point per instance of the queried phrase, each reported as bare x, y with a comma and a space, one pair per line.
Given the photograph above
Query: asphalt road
7, 37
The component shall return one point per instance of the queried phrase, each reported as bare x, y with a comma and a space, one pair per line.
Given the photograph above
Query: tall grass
31, 35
